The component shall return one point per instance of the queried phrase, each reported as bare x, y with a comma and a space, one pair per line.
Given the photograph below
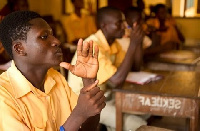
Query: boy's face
41, 46
161, 13
114, 25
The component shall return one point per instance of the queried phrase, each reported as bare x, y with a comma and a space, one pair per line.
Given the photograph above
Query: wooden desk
175, 95
185, 61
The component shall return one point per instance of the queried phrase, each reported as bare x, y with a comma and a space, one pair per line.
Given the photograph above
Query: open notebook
142, 77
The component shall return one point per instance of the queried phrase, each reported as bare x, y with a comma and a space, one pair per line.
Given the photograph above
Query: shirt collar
104, 43
21, 86
49, 81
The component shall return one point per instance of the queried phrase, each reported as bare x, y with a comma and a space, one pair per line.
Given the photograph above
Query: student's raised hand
87, 62
137, 33
90, 102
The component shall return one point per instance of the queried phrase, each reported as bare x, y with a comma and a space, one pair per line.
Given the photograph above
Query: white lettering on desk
160, 102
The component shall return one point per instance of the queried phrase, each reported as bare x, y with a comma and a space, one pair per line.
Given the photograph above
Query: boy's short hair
158, 6
103, 12
15, 27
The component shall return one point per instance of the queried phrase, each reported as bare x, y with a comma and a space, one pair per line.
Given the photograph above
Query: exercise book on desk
142, 77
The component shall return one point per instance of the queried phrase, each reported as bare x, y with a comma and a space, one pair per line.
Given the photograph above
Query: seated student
165, 30
78, 24
141, 7
11, 6
134, 15
114, 63
34, 96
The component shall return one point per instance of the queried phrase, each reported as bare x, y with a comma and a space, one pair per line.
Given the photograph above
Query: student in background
11, 6
114, 63
141, 7
78, 24
33, 95
134, 15
163, 27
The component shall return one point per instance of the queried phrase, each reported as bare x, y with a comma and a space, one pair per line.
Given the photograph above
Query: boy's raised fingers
79, 47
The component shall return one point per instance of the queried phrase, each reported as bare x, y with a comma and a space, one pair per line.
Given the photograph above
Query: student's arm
179, 33
91, 99
85, 116
136, 38
138, 59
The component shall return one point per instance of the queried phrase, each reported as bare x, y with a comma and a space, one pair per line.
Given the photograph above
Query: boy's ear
18, 48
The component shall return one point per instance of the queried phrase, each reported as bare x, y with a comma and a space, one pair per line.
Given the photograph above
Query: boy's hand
87, 63
90, 102
137, 33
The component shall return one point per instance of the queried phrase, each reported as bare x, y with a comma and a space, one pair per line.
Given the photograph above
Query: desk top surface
178, 57
174, 83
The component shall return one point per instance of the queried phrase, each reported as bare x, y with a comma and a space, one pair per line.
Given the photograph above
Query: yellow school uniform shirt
25, 108
78, 27
110, 57
170, 35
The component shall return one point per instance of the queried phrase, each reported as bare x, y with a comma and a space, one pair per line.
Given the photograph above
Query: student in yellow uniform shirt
78, 24
169, 37
34, 96
11, 6
114, 62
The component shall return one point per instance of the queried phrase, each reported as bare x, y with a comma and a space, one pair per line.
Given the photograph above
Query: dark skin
113, 28
156, 48
161, 14
42, 44
78, 5
134, 19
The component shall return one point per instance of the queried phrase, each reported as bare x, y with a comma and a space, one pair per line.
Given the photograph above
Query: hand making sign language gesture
91, 99
87, 63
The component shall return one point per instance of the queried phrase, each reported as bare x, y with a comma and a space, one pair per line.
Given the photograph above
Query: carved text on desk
160, 102
156, 104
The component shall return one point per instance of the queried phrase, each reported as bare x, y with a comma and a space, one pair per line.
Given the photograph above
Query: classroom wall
148, 3
47, 7
43, 7
178, 7
190, 28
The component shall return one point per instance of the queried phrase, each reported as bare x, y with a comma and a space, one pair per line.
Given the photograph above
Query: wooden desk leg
194, 119
119, 116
